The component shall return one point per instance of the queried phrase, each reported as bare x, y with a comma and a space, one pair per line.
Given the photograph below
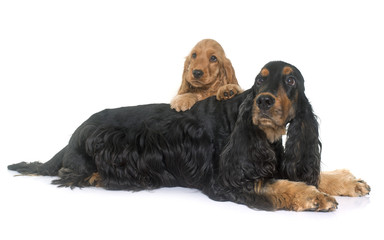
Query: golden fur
216, 76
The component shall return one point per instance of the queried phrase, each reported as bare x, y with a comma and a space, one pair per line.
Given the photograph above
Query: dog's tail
50, 168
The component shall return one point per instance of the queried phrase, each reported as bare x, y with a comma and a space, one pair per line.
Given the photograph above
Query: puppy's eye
259, 81
193, 55
290, 81
213, 58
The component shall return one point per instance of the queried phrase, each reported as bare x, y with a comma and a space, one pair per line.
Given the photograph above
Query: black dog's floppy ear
303, 147
247, 156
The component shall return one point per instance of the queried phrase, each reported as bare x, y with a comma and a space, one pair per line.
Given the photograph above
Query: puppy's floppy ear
184, 83
227, 72
303, 147
247, 155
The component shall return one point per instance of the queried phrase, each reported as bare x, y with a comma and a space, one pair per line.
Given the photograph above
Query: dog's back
143, 147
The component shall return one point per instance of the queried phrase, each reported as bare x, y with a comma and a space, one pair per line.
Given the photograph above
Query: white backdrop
61, 61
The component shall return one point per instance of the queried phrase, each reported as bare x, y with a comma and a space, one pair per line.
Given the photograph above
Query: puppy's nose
265, 102
197, 73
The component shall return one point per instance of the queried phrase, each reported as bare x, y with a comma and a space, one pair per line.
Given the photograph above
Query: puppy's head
207, 64
276, 91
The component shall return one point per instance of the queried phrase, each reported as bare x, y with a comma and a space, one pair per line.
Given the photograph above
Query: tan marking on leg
258, 185
94, 180
298, 196
341, 182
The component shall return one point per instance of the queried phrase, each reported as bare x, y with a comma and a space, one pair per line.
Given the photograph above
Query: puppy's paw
228, 91
183, 102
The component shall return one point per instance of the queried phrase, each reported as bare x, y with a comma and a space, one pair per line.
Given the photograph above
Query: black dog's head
275, 106
276, 95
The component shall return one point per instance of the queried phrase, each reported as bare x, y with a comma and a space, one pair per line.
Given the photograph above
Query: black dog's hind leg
78, 170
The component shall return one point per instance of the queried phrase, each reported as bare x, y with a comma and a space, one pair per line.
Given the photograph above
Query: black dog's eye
290, 81
193, 55
259, 81
213, 58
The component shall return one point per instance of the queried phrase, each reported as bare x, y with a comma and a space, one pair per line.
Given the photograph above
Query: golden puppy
207, 72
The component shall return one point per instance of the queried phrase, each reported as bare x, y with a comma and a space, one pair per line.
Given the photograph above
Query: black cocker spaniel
230, 150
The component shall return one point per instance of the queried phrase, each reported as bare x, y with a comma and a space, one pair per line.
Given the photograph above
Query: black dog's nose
265, 102
197, 73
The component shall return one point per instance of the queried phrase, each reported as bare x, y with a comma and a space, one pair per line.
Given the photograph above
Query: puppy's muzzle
197, 73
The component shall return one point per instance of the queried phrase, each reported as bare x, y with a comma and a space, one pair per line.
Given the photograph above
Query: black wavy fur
214, 147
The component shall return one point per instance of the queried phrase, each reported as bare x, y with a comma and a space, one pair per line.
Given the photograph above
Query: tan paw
228, 91
298, 196
314, 200
361, 188
341, 182
183, 102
